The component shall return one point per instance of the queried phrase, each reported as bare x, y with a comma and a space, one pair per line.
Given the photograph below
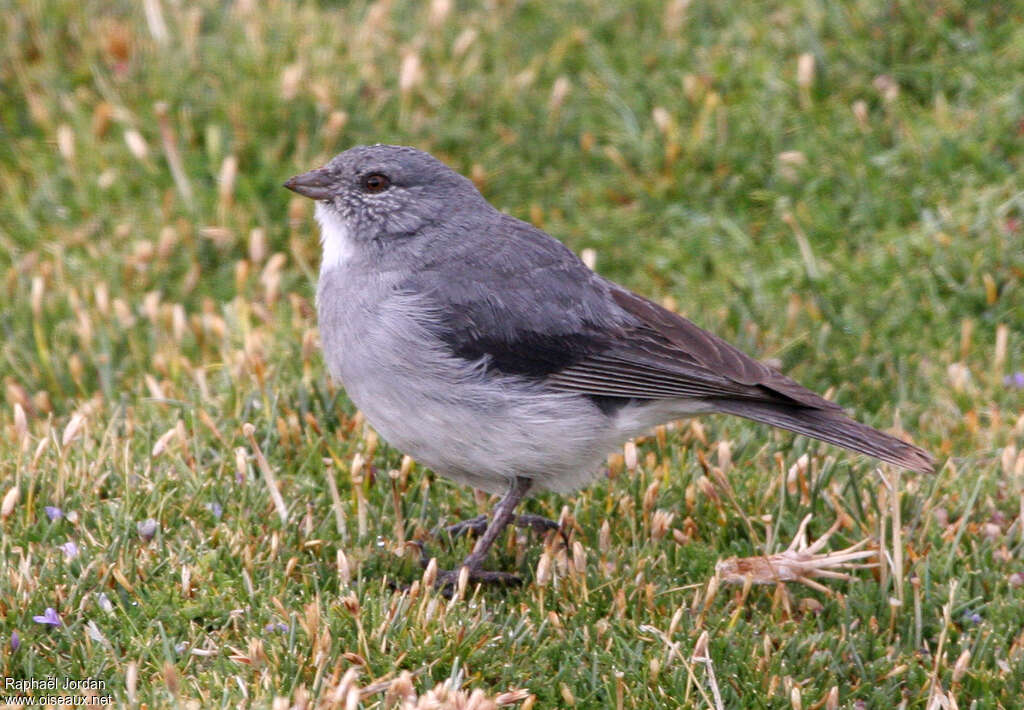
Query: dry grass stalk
336, 504
701, 655
937, 698
173, 155
268, 473
892, 482
800, 562
672, 651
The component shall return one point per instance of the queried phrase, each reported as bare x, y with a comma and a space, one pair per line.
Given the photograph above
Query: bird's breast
449, 413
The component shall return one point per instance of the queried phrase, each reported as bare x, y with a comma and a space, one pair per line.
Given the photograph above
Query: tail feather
835, 428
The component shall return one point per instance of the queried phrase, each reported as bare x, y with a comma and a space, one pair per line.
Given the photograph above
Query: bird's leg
503, 514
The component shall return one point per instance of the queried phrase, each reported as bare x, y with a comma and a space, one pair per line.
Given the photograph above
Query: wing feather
660, 354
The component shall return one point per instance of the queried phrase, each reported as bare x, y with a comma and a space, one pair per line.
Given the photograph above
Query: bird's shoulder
510, 292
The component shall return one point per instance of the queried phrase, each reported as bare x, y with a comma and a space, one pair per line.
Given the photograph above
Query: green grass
862, 225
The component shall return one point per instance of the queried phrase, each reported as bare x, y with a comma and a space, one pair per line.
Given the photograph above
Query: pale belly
482, 435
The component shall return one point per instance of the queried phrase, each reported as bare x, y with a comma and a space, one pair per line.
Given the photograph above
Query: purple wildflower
48, 617
278, 627
15, 641
1015, 380
53, 513
972, 617
147, 528
70, 550
216, 509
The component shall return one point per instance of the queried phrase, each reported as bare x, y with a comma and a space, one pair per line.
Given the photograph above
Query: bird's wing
529, 306
662, 355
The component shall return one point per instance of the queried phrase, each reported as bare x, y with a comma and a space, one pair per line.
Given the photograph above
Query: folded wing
663, 356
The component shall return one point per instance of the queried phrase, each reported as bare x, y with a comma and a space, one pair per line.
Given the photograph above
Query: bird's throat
335, 238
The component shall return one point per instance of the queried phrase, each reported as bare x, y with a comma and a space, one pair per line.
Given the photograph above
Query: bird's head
381, 194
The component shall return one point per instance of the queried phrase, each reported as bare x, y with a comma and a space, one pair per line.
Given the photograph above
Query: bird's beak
316, 184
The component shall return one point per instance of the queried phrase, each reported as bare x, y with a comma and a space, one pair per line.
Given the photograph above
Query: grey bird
486, 350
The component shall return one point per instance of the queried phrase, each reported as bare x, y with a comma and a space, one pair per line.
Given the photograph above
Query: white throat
335, 238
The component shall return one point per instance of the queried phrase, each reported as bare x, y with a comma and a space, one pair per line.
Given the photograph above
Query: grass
835, 186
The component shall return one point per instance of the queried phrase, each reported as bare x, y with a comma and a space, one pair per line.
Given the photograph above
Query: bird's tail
834, 427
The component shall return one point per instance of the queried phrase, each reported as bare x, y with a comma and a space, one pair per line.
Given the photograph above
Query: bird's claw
475, 525
447, 581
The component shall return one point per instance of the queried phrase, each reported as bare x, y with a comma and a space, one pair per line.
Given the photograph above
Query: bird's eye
375, 182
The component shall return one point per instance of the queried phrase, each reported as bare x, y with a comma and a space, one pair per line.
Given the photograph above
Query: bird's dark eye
375, 182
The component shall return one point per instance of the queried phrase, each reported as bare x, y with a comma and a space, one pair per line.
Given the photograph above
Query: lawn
194, 515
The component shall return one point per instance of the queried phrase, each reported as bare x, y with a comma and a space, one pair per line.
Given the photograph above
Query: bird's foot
447, 580
487, 530
476, 526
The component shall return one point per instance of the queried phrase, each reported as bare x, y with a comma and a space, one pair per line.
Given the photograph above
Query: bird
485, 349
